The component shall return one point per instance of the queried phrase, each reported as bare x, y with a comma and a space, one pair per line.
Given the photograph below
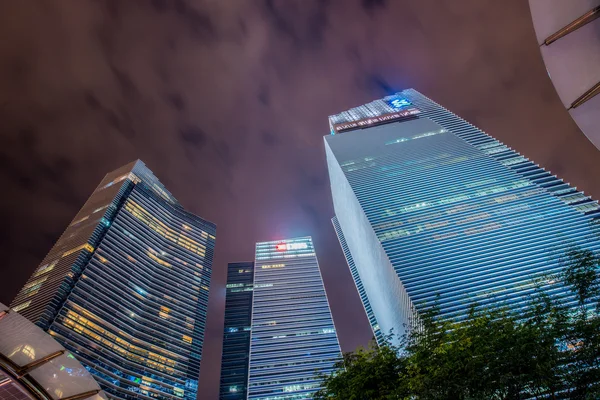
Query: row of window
165, 231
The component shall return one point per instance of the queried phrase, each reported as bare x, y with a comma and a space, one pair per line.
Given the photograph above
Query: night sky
227, 102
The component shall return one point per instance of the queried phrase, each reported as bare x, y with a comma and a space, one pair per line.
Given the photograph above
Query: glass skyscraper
428, 205
125, 288
293, 336
236, 335
378, 335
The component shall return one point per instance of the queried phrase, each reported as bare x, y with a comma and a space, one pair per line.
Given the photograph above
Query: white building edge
568, 33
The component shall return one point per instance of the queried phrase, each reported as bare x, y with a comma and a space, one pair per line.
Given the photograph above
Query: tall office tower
236, 336
427, 204
293, 336
377, 333
125, 288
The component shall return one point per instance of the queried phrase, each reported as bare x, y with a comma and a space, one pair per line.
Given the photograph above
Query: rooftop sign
398, 103
372, 121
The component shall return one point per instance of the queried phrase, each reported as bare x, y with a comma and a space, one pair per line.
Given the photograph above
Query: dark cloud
112, 8
120, 123
193, 136
227, 102
15, 175
176, 101
128, 88
223, 151
314, 215
379, 84
199, 23
92, 101
263, 95
160, 5
304, 25
28, 138
270, 139
56, 170
372, 5
18, 69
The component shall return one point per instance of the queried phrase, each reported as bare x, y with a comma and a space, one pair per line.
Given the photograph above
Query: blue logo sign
398, 103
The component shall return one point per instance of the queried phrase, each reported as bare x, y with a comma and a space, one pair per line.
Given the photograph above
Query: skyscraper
293, 336
125, 288
236, 335
428, 205
377, 333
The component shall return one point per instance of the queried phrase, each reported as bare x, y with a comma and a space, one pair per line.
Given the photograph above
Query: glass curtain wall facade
236, 335
427, 204
293, 336
377, 334
125, 288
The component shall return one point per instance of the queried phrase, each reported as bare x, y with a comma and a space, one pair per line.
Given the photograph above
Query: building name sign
291, 246
398, 103
371, 121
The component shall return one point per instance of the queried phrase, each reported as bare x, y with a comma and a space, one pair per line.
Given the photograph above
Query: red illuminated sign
291, 246
382, 119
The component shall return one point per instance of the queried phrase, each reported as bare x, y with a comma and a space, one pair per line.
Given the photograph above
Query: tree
548, 349
376, 373
583, 338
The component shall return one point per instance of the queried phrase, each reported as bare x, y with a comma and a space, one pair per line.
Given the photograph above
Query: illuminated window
163, 315
79, 220
85, 246
117, 180
435, 225
444, 236
45, 268
472, 218
37, 282
162, 229
187, 339
165, 309
485, 228
102, 259
269, 266
158, 260
169, 298
30, 291
480, 183
21, 306
261, 285
29, 352
101, 208
393, 234
120, 345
